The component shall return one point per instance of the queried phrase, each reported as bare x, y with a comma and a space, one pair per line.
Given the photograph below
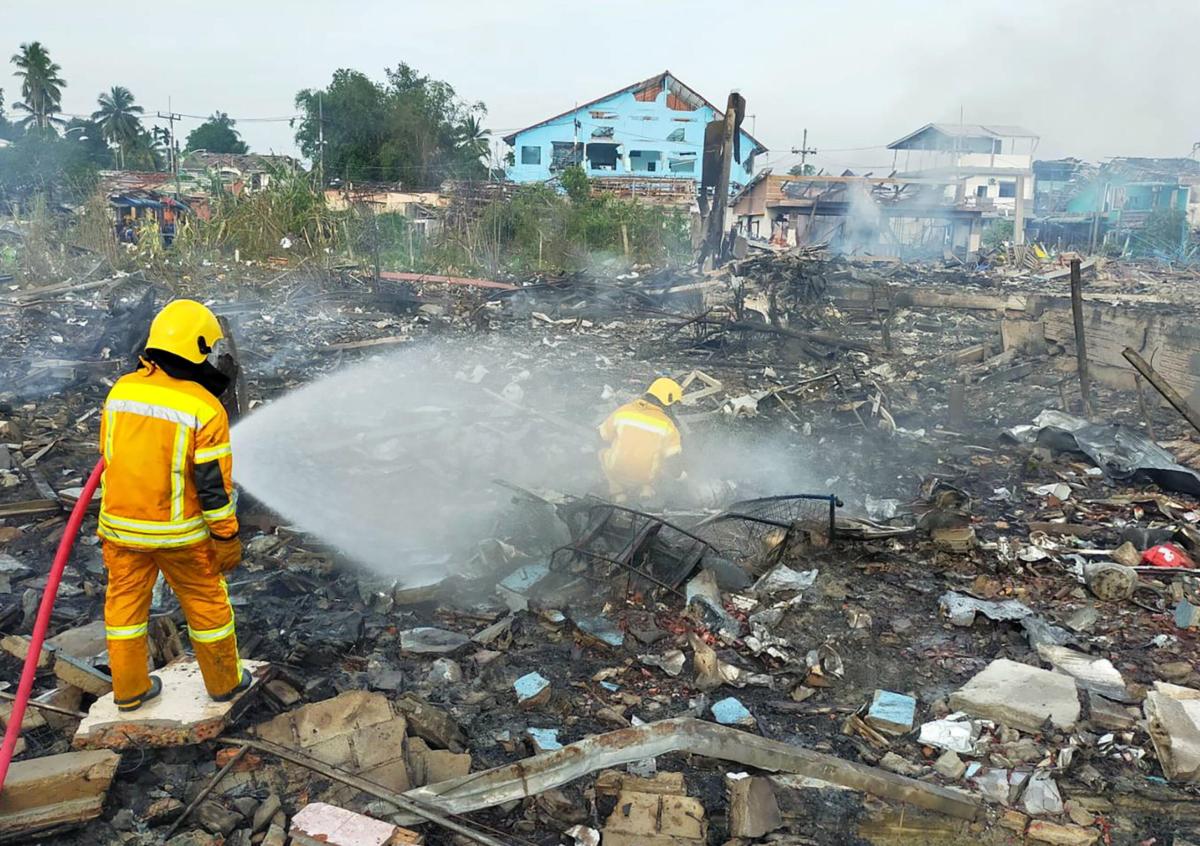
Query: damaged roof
666, 79
961, 130
244, 162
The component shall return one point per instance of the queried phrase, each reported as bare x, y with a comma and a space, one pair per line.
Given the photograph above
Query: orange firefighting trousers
191, 572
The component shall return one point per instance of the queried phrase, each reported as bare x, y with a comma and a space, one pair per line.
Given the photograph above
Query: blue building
653, 129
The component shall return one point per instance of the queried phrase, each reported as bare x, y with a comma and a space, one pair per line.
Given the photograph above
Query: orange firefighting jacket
168, 479
642, 438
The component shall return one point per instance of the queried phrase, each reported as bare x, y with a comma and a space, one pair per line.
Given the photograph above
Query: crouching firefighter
168, 504
644, 446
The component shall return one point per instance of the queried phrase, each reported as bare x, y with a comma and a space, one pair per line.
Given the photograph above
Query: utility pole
321, 134
804, 150
173, 146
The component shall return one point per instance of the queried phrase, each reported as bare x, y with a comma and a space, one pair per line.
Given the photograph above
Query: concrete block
79, 673
643, 819
54, 791
950, 765
356, 731
319, 824
753, 809
183, 715
1173, 721
431, 723
1108, 715
82, 642
1019, 696
429, 766
18, 647
1024, 335
892, 713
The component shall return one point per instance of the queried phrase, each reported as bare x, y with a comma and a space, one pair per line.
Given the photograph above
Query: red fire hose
12, 732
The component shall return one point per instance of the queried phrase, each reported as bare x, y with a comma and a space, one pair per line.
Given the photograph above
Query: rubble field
910, 590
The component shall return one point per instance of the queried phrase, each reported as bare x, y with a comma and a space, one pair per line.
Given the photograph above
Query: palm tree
41, 86
473, 138
118, 119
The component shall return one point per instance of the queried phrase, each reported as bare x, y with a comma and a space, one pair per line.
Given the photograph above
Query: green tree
802, 170
217, 135
87, 143
473, 140
118, 119
411, 129
145, 152
576, 183
41, 163
7, 130
41, 86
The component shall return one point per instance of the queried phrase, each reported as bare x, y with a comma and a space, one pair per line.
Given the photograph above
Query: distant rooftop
925, 137
243, 162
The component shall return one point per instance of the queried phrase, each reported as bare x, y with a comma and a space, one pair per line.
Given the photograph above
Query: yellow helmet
185, 328
666, 391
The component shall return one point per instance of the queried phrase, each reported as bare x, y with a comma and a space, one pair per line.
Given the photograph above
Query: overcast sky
1094, 78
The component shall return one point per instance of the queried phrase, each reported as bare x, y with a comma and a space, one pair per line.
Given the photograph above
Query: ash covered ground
474, 493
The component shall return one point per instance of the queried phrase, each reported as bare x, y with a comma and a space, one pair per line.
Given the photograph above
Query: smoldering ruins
882, 602
926, 575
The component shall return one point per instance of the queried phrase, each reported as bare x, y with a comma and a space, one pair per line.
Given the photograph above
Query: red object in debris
12, 731
1166, 555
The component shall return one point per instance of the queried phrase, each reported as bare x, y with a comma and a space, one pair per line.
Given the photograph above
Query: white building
989, 165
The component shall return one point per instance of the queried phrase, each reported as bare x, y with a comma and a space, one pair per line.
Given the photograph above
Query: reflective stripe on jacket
642, 437
168, 478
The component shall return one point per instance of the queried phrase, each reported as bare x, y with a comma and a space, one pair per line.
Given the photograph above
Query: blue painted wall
1133, 196
635, 125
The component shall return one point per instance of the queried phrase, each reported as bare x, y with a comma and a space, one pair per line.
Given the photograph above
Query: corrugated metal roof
967, 130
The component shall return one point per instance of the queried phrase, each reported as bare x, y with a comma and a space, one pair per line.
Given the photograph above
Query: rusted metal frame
601, 557
550, 770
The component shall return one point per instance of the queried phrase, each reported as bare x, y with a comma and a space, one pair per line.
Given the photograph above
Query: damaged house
1085, 206
989, 166
645, 138
237, 171
858, 214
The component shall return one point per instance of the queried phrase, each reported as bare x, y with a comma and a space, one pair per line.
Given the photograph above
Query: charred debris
975, 623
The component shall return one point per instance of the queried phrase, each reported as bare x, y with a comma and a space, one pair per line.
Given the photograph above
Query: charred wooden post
1085, 384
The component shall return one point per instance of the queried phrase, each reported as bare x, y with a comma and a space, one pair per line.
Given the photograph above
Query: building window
566, 153
683, 163
603, 132
980, 190
679, 134
645, 161
531, 155
602, 115
1008, 190
602, 156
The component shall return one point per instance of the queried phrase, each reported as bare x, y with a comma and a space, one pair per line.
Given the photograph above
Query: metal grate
757, 527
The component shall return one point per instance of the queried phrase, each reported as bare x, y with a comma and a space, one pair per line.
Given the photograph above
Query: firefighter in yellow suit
168, 505
643, 442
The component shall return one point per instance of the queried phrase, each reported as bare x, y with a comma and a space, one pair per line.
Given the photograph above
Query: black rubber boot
138, 701
242, 687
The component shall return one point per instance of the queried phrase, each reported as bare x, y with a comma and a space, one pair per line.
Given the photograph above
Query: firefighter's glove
229, 553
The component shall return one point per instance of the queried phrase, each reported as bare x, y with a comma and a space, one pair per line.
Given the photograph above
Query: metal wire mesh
759, 527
